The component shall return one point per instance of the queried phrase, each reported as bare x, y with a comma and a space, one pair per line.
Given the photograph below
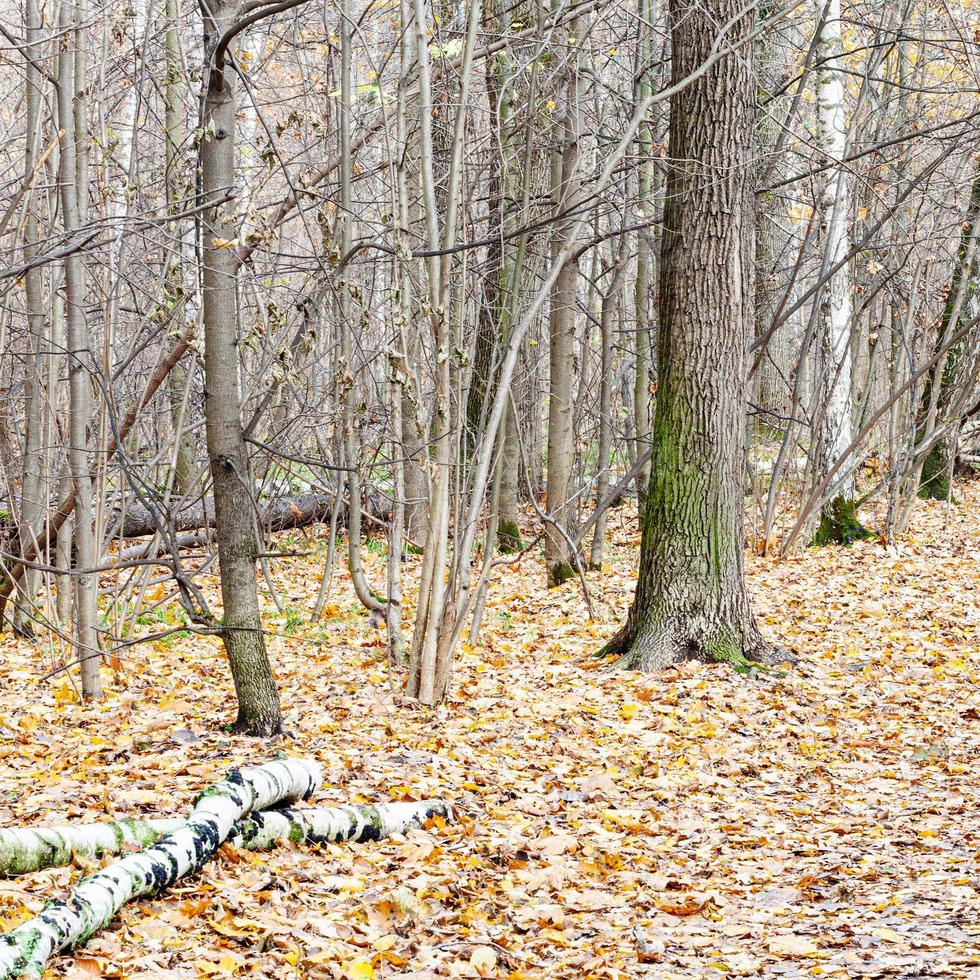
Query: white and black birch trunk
24, 951
24, 849
833, 423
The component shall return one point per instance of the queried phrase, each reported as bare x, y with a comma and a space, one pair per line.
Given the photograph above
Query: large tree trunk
691, 599
258, 699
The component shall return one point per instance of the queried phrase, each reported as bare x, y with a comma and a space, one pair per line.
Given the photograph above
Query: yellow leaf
629, 711
359, 969
228, 964
64, 693
889, 935
484, 960
793, 946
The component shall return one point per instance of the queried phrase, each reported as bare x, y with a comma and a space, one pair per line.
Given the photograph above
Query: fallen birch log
24, 951
332, 824
23, 850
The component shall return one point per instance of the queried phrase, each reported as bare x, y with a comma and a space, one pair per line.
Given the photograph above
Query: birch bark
23, 850
833, 423
25, 950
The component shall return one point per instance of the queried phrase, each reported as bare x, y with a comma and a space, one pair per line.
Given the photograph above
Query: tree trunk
516, 173
274, 515
834, 430
258, 699
185, 462
352, 442
604, 475
645, 263
944, 379
34, 503
561, 327
23, 850
74, 186
691, 599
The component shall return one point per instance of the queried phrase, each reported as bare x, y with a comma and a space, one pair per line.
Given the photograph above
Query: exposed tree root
652, 649
839, 524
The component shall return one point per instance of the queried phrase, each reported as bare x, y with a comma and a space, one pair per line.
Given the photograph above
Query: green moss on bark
839, 524
724, 650
934, 483
560, 573
509, 539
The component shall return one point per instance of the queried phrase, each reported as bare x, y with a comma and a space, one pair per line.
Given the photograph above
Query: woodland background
372, 304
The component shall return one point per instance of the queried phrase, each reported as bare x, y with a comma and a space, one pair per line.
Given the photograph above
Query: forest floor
695, 823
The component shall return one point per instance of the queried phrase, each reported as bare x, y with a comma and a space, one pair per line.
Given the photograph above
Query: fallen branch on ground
283, 514
23, 849
24, 951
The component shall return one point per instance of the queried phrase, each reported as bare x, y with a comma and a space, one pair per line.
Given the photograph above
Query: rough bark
24, 850
275, 515
691, 599
258, 700
25, 950
561, 329
74, 188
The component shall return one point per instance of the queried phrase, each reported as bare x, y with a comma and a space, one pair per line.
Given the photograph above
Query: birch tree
833, 415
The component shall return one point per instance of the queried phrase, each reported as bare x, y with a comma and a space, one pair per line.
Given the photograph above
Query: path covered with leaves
696, 823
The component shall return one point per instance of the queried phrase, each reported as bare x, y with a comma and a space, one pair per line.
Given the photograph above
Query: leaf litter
822, 823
